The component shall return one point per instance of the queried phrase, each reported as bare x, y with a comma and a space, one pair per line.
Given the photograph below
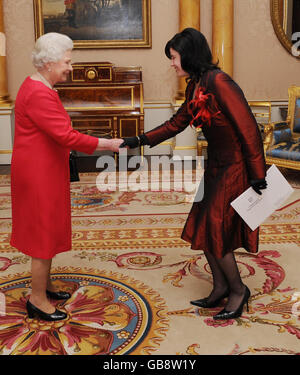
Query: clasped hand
131, 142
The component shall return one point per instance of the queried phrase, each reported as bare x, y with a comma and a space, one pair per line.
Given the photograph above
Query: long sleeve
235, 107
48, 114
170, 128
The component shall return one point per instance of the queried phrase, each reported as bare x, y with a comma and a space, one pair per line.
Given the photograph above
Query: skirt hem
48, 256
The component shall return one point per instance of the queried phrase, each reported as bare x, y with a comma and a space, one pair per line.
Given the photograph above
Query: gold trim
92, 69
94, 119
285, 15
178, 102
294, 95
142, 98
8, 106
6, 151
136, 125
287, 44
146, 42
4, 100
38, 17
259, 103
283, 163
185, 148
91, 74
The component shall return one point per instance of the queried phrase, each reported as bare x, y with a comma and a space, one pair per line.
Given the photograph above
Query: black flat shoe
224, 314
206, 305
58, 295
34, 311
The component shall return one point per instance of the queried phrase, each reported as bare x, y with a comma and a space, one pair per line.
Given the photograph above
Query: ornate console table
103, 100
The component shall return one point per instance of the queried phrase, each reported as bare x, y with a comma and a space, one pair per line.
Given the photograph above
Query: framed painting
96, 23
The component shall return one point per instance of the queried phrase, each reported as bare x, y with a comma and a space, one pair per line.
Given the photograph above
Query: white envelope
255, 208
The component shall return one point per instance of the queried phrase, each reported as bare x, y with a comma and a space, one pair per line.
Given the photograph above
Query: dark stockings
226, 276
220, 285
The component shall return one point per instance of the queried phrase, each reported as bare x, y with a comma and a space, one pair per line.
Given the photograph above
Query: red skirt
212, 224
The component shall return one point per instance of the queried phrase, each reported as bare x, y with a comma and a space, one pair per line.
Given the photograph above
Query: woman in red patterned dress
235, 161
40, 175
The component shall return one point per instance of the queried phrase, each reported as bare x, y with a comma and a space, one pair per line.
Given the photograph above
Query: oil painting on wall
96, 23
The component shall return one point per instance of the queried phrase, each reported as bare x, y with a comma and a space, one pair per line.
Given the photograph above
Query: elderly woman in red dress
235, 162
40, 175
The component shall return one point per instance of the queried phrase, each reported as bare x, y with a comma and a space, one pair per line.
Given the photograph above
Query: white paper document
255, 208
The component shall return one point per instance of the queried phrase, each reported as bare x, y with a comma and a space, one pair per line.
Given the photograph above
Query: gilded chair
201, 142
282, 139
262, 113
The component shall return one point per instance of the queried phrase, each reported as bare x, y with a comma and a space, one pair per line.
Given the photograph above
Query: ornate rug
132, 277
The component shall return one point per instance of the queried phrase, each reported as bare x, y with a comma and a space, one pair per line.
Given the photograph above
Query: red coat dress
235, 155
40, 175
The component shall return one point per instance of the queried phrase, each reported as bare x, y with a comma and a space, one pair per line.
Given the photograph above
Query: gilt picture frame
293, 116
96, 23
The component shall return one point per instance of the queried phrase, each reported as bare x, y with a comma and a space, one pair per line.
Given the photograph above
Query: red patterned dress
40, 175
235, 156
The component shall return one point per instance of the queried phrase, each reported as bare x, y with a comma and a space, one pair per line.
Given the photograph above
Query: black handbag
74, 175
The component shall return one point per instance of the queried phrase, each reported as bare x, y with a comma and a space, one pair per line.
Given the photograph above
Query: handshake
133, 142
116, 143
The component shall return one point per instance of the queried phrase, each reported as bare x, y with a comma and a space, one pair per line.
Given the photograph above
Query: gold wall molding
184, 147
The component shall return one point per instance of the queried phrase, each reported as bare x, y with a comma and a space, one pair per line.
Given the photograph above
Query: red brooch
204, 106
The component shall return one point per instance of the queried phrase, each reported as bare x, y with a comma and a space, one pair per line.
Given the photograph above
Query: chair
201, 142
282, 139
261, 111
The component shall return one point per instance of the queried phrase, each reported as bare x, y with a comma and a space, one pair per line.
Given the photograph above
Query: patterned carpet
132, 277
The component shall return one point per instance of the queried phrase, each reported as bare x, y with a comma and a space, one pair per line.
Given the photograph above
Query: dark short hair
196, 56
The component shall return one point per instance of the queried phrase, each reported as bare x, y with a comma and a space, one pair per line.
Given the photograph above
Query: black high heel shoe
58, 295
224, 314
206, 305
34, 311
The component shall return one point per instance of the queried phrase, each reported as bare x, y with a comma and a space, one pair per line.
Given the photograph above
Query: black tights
226, 276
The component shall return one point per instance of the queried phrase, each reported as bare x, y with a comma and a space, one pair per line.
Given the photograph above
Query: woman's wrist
104, 143
143, 139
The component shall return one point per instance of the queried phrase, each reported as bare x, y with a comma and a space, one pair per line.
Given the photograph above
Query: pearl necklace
43, 79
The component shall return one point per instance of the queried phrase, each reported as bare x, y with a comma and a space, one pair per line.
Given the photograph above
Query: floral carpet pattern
132, 277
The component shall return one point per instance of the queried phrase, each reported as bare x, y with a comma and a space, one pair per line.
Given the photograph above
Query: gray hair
50, 47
